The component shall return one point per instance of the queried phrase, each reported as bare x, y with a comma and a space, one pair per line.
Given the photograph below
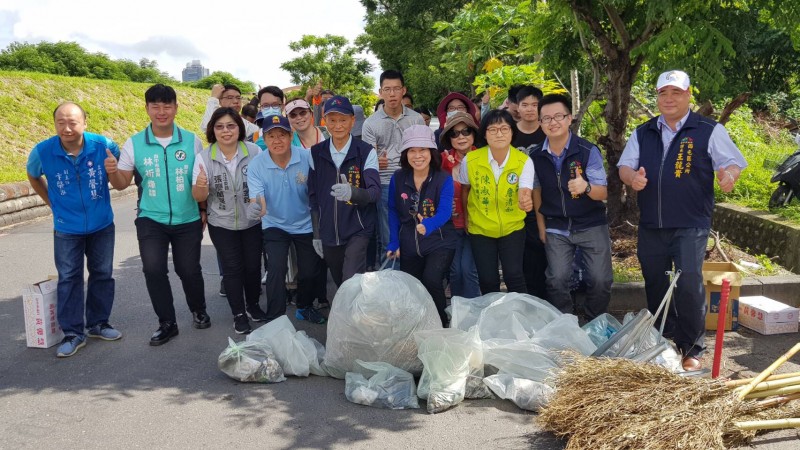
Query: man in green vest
163, 155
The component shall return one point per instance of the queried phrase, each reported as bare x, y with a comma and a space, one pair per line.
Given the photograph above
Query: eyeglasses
301, 113
465, 132
225, 126
271, 105
232, 97
557, 117
389, 90
494, 131
461, 108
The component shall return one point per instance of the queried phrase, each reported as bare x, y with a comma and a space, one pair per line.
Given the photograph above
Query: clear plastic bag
516, 317
250, 362
601, 328
526, 394
465, 312
381, 385
297, 353
522, 359
373, 318
564, 333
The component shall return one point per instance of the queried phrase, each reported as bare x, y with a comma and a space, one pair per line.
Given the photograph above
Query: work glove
254, 210
317, 243
342, 191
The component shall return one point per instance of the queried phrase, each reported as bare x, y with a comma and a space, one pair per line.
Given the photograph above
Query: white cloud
249, 39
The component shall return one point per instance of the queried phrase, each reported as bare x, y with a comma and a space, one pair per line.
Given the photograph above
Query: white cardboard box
767, 316
40, 301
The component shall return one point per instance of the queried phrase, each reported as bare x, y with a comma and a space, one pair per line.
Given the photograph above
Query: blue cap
339, 104
271, 122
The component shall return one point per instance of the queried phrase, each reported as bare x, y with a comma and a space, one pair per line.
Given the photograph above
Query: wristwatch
588, 189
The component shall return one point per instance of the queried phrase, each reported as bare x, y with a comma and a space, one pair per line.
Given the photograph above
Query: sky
249, 39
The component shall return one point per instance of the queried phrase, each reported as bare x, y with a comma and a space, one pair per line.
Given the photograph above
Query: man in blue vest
569, 190
163, 154
672, 160
77, 193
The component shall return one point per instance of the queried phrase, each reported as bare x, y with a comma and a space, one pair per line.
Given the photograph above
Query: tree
219, 77
333, 62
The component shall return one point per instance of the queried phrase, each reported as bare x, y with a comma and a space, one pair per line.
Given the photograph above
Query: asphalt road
127, 394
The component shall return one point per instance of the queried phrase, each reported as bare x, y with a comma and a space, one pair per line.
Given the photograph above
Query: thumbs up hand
342, 191
420, 227
254, 209
202, 178
639, 180
110, 162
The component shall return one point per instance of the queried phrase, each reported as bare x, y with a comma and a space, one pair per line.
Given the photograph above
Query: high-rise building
194, 71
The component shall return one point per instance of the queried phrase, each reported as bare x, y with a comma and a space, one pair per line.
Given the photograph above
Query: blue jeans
69, 250
658, 250
595, 245
463, 273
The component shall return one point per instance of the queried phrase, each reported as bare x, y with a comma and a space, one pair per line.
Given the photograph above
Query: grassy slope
114, 108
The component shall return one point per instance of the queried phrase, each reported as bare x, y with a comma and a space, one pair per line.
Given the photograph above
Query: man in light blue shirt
278, 182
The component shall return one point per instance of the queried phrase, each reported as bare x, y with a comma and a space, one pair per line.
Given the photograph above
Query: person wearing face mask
270, 103
459, 138
219, 177
452, 103
420, 207
225, 96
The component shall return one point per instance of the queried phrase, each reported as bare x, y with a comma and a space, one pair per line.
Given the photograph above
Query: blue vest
680, 187
166, 177
560, 209
78, 188
425, 202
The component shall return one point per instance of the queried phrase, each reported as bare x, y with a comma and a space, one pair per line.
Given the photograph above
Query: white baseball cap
676, 78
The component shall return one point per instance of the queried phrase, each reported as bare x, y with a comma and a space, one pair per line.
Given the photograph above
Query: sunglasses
464, 132
301, 113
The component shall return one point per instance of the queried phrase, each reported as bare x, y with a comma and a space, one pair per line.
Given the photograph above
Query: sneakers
70, 345
256, 314
222, 292
310, 314
105, 332
241, 325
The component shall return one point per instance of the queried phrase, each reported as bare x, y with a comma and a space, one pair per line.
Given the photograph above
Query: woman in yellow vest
496, 182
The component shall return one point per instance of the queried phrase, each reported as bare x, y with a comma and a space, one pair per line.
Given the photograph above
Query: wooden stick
768, 424
774, 384
777, 401
743, 381
780, 391
763, 375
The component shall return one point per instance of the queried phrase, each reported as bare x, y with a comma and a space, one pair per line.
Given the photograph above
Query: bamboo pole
743, 381
768, 424
780, 391
777, 401
773, 384
763, 375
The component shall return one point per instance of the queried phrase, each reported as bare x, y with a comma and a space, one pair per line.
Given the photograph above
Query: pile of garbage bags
381, 385
374, 317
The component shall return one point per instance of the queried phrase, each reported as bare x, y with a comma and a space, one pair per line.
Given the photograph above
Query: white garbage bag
522, 359
250, 361
373, 318
297, 353
465, 312
526, 394
381, 385
516, 317
564, 333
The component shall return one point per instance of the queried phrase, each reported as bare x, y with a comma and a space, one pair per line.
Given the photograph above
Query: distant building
194, 71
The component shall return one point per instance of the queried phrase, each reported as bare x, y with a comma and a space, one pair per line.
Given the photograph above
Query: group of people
509, 191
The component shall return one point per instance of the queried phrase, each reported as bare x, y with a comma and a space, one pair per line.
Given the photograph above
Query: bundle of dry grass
611, 403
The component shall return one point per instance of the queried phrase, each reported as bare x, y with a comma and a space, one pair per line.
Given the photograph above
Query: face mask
270, 111
451, 113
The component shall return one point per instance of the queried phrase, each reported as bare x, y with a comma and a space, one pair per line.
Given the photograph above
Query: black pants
154, 242
346, 260
431, 270
534, 261
276, 244
509, 249
239, 252
658, 250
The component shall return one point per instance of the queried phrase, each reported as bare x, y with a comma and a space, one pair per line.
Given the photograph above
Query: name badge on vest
180, 155
512, 178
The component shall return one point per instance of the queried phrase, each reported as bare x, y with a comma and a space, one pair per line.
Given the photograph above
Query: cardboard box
40, 302
713, 274
768, 316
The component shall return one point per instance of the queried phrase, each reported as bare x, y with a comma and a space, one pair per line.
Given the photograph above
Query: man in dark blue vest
671, 160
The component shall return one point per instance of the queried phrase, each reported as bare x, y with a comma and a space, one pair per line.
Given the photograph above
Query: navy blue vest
425, 202
560, 209
680, 186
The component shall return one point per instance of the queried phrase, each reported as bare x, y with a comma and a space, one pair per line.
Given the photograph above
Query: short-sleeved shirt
384, 133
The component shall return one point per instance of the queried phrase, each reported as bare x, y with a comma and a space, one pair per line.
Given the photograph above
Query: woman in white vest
220, 178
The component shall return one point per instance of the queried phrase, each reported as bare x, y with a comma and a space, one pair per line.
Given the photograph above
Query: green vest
493, 207
166, 177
